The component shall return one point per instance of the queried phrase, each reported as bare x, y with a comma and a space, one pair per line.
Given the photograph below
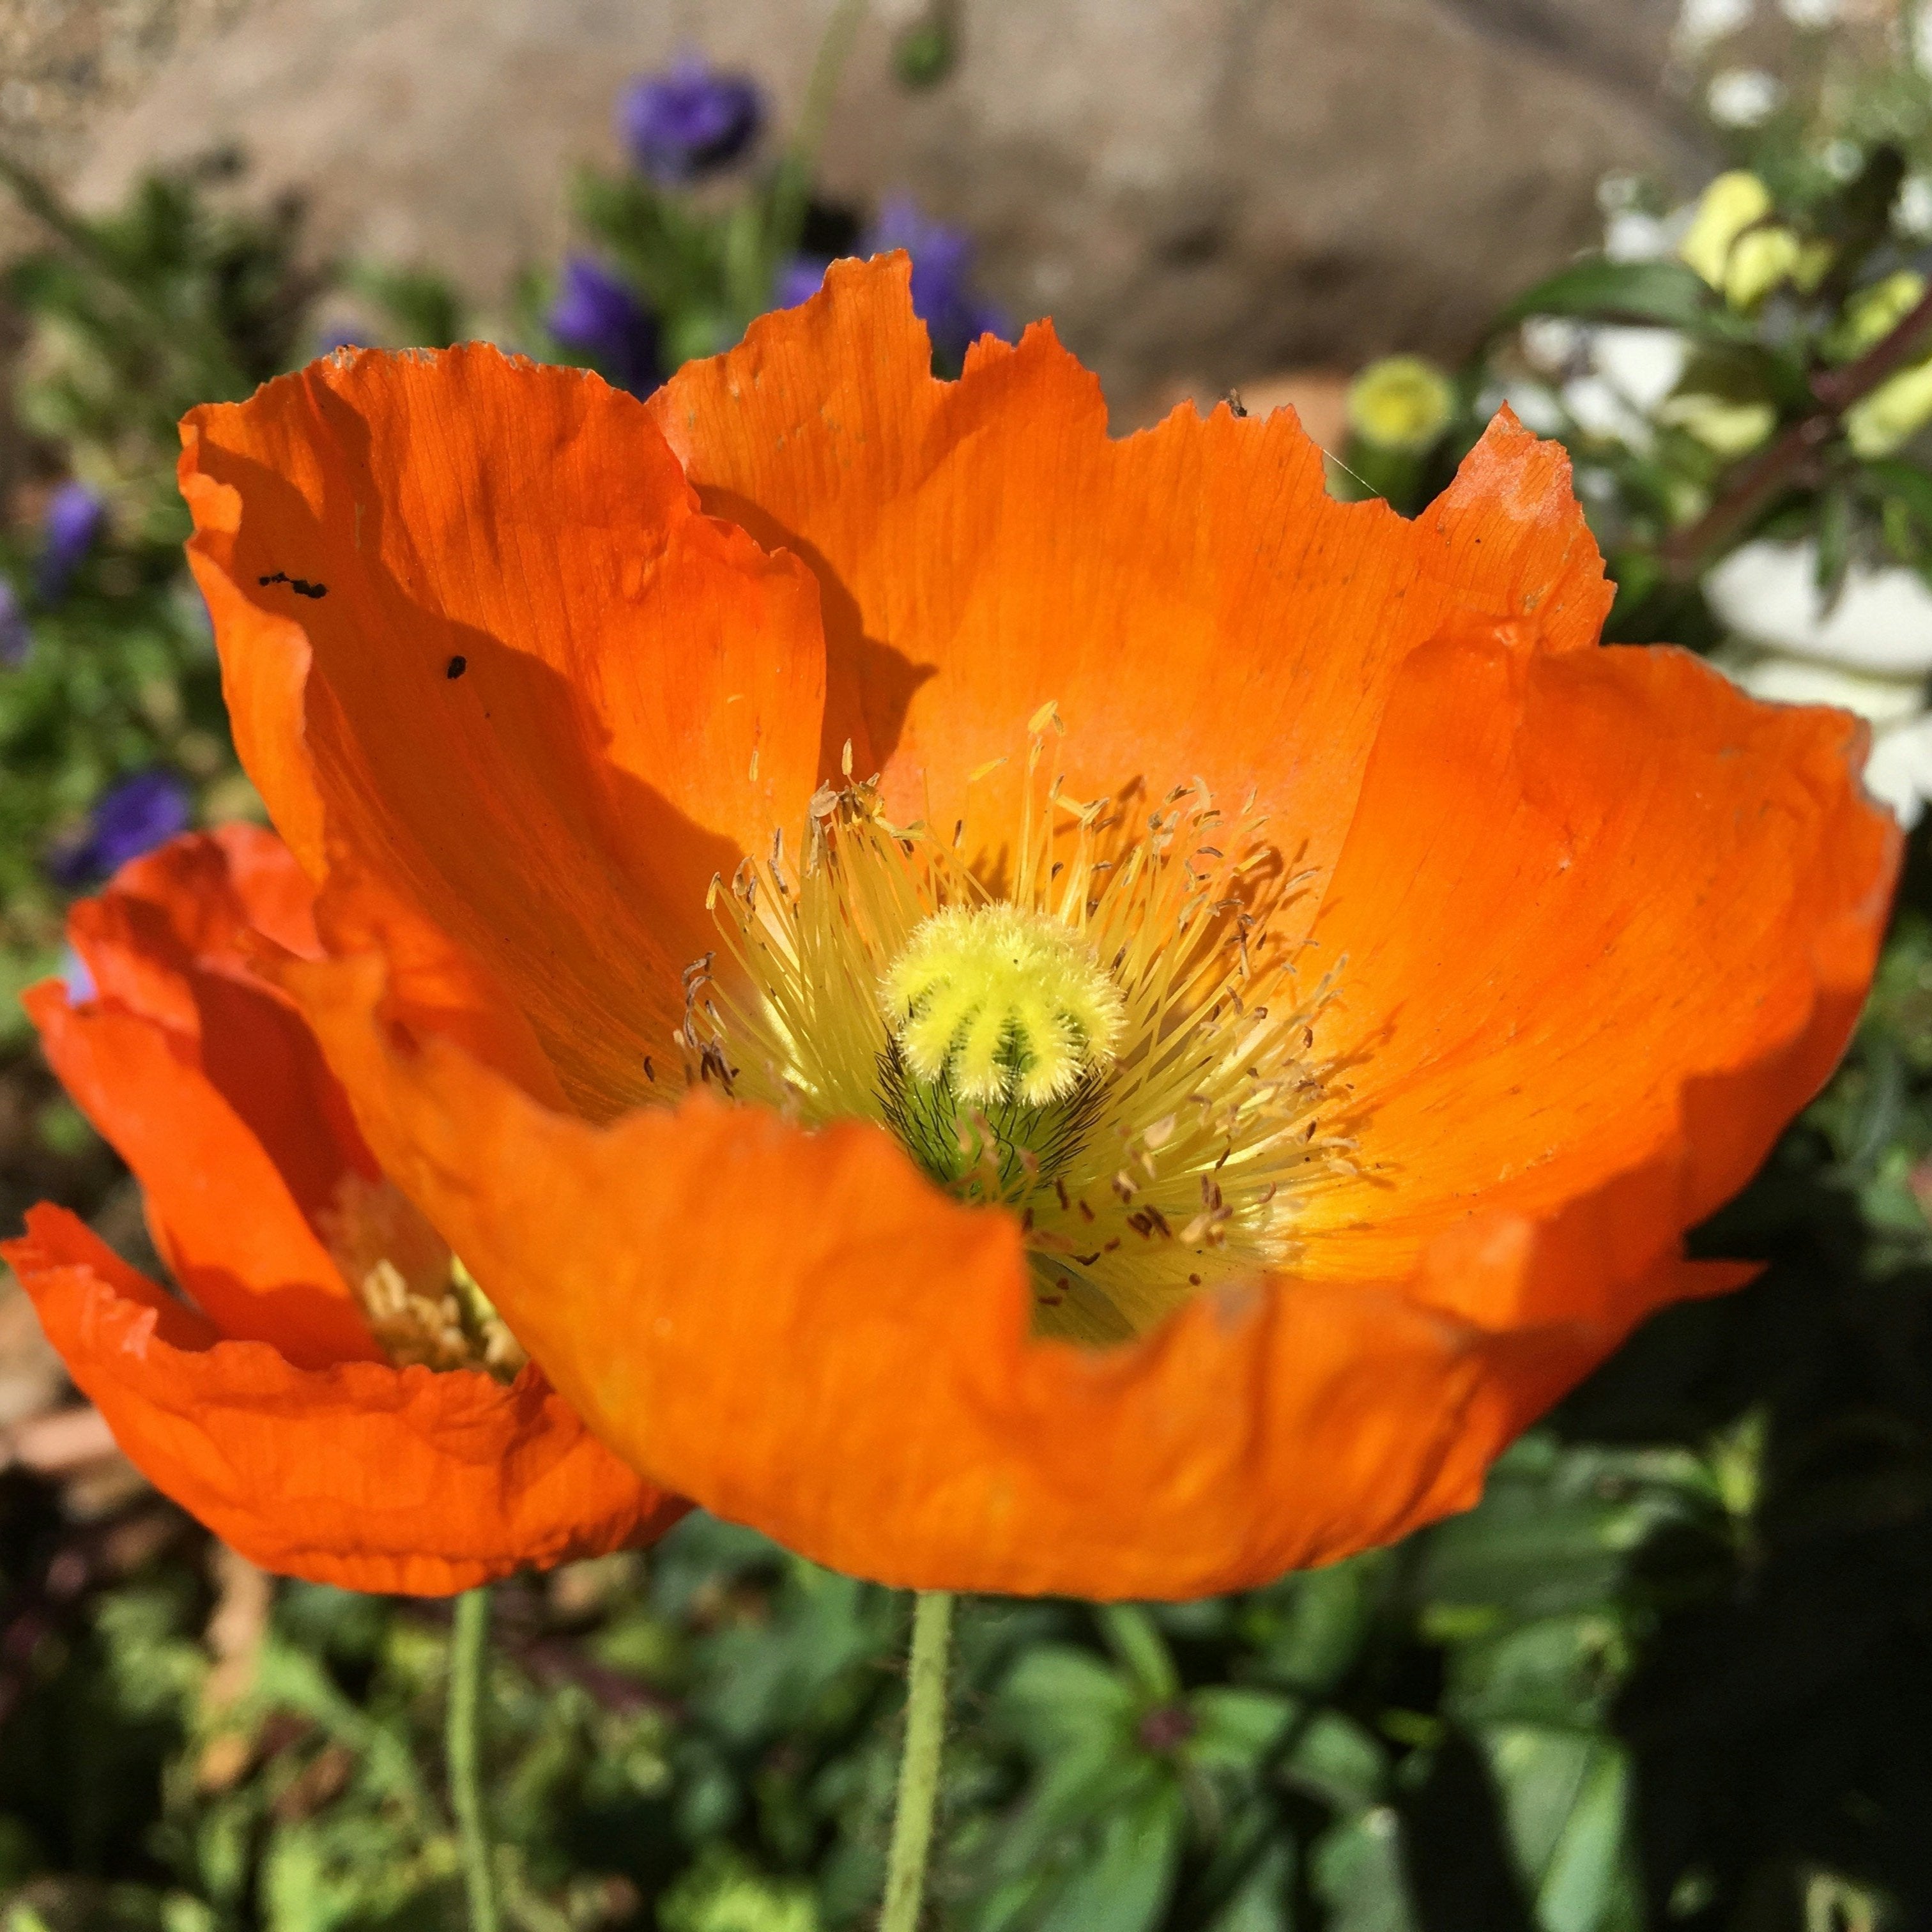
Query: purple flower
799, 280
942, 297
68, 531
15, 641
128, 819
688, 120
598, 315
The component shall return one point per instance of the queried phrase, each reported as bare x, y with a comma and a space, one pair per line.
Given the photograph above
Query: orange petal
1191, 598
640, 687
1601, 926
800, 1332
212, 1089
361, 1475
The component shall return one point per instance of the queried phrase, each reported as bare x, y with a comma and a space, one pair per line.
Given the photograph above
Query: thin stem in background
792, 191
1754, 485
918, 1767
469, 1653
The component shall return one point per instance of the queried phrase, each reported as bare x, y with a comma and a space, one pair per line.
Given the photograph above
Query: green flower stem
918, 1768
468, 1652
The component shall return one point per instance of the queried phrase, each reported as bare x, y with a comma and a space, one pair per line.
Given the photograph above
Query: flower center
998, 1004
1110, 1040
423, 1305
1003, 1024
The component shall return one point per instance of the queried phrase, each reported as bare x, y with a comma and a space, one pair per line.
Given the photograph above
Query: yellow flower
1401, 404
1893, 414
1732, 203
1725, 425
1872, 313
1731, 244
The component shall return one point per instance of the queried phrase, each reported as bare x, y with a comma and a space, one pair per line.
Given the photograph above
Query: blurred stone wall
1209, 188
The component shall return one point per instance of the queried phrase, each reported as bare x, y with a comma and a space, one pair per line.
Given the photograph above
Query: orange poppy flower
339, 1404
1261, 1036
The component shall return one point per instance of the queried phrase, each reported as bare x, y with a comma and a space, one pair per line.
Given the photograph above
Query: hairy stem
468, 1652
918, 1768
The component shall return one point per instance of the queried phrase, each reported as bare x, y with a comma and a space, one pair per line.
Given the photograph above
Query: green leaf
1131, 1636
1338, 1761
1666, 294
1056, 1698
1555, 1529
1356, 1868
1311, 1627
1563, 1803
1265, 1901
1557, 1670
1905, 483
1124, 1887
1238, 1727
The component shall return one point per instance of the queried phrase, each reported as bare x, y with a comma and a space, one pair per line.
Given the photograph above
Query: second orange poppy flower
335, 1403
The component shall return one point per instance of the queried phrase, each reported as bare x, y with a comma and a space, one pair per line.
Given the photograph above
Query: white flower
1812, 13
1630, 371
1869, 653
1552, 342
1882, 702
1618, 190
1914, 212
1536, 409
1634, 236
1880, 624
1843, 159
1702, 22
1744, 97
1643, 365
1899, 771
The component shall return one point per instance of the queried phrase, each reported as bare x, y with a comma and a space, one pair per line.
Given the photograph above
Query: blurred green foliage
132, 318
1675, 1670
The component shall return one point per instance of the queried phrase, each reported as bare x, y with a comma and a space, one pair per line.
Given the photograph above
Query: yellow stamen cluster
1000, 1004
1118, 1047
423, 1305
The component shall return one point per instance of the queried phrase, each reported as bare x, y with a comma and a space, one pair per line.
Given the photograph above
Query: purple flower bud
128, 819
689, 120
942, 265
68, 531
799, 280
598, 315
15, 641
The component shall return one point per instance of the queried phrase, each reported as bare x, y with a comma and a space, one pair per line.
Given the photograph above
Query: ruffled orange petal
470, 616
1601, 926
1191, 598
212, 1089
799, 1331
361, 1475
